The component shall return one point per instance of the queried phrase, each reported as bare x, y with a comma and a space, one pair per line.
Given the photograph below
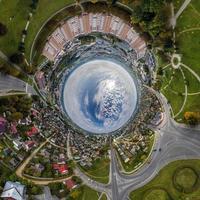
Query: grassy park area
99, 170
178, 180
14, 14
187, 41
86, 193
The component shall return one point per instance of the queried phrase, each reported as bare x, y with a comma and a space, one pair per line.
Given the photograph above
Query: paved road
181, 9
9, 83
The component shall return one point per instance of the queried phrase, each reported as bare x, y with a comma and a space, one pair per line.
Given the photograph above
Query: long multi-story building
92, 22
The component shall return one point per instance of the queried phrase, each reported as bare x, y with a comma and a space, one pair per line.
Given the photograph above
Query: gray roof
14, 190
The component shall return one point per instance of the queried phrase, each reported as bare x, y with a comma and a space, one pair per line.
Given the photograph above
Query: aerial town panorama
99, 99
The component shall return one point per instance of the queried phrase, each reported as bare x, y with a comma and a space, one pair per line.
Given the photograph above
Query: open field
187, 39
87, 193
99, 170
164, 185
13, 14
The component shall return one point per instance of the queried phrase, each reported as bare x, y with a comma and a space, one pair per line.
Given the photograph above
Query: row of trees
152, 18
16, 107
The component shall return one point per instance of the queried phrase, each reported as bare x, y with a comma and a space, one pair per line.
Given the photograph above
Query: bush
17, 58
3, 29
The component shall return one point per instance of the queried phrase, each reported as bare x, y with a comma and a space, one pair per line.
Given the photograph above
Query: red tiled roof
70, 184
29, 143
32, 132
62, 168
13, 128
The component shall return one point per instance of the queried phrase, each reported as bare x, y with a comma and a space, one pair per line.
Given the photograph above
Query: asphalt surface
11, 84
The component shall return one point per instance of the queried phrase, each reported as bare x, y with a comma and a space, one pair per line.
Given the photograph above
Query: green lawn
14, 14
177, 4
157, 194
163, 187
99, 171
186, 178
89, 194
103, 197
187, 37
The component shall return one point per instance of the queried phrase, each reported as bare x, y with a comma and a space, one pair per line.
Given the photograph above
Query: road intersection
175, 141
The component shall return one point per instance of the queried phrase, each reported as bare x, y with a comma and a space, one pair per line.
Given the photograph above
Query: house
13, 128
32, 132
17, 144
28, 145
40, 79
61, 168
3, 123
25, 121
39, 168
70, 184
13, 191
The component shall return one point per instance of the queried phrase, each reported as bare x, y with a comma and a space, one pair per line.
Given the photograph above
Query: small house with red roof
28, 145
61, 168
32, 132
13, 128
70, 184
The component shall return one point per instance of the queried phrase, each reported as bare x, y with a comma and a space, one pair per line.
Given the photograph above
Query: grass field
99, 171
163, 183
187, 37
186, 178
13, 14
88, 194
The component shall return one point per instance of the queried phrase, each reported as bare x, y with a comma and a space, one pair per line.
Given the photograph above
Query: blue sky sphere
100, 96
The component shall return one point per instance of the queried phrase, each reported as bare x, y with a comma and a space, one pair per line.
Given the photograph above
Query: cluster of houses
18, 139
128, 147
86, 149
88, 23
49, 159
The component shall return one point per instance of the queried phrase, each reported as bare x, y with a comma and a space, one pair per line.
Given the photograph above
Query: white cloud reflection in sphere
100, 96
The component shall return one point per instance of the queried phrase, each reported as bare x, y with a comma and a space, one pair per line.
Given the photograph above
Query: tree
192, 118
16, 116
136, 15
114, 2
35, 190
17, 58
3, 29
34, 4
